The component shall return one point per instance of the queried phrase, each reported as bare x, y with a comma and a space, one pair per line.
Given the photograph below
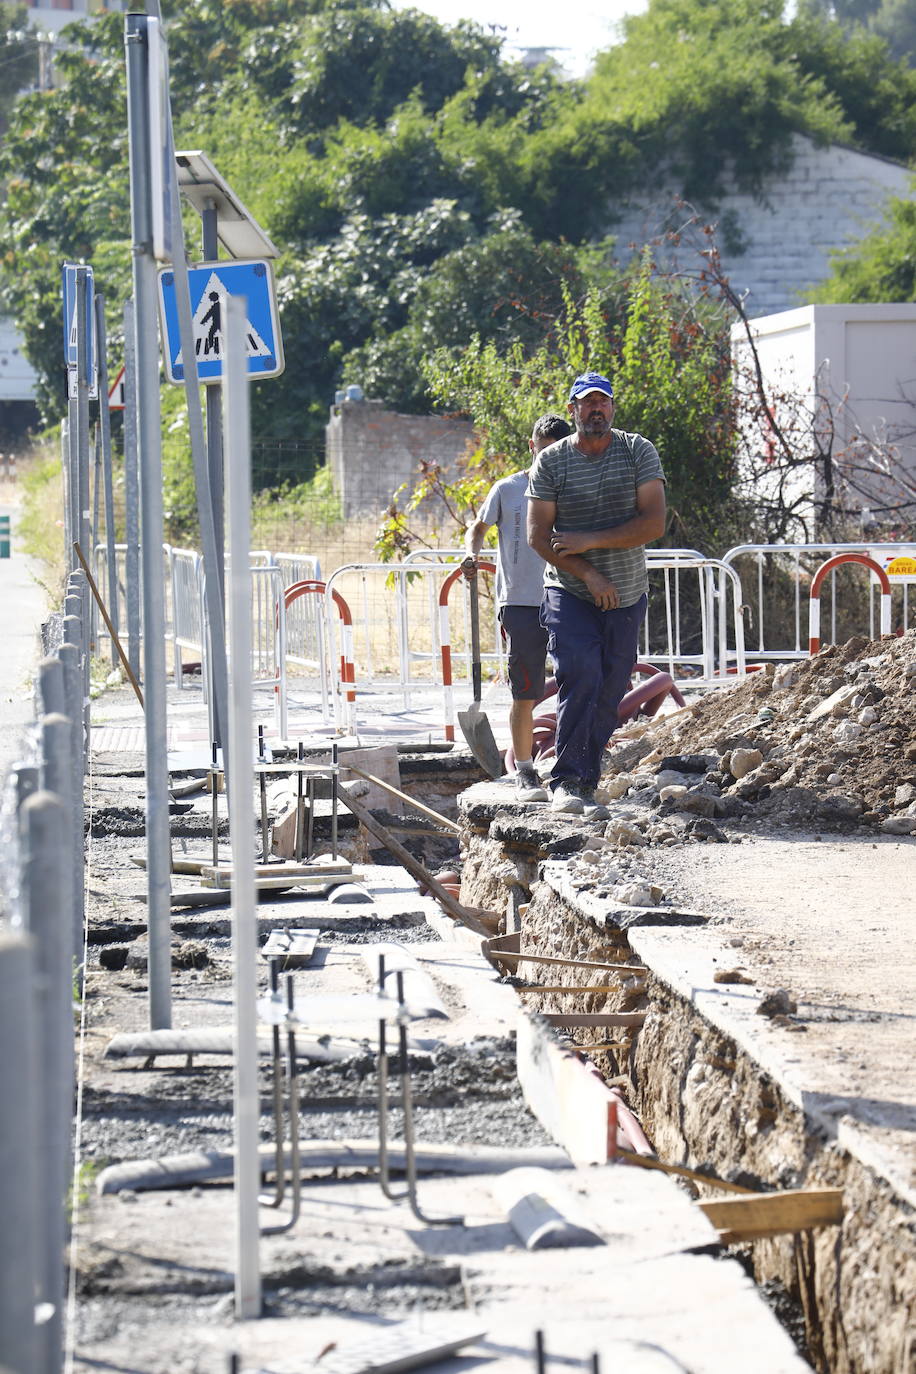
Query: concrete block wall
830, 197
372, 451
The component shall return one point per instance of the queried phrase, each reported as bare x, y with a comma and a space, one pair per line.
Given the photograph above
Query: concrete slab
825, 923
649, 1293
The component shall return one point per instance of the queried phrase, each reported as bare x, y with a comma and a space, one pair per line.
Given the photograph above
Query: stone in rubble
744, 761
777, 1003
621, 832
617, 786
688, 763
637, 894
669, 777
623, 757
837, 704
700, 803
703, 829
904, 794
841, 806
899, 825
784, 677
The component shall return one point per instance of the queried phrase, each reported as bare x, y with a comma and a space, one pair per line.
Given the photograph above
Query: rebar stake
277, 1062
295, 1167
262, 783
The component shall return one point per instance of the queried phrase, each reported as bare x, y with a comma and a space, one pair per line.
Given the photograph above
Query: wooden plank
269, 876
572, 1102
474, 920
774, 1214
570, 1020
681, 1171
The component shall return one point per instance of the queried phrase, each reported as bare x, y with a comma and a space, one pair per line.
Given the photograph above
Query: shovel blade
479, 735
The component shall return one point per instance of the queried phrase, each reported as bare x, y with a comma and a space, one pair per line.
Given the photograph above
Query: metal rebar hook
277, 1063
293, 1077
384, 1175
410, 1161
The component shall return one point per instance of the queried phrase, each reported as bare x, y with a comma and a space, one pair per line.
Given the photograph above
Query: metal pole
65, 432
43, 828
105, 431
150, 460
50, 684
207, 499
27, 781
73, 485
214, 401
95, 535
241, 817
57, 778
73, 790
19, 1208
131, 493
83, 526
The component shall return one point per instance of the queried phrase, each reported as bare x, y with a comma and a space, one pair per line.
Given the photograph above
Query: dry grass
37, 492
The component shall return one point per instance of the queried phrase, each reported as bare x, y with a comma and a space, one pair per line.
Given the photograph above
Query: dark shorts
527, 640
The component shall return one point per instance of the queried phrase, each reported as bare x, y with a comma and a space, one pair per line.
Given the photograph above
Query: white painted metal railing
777, 570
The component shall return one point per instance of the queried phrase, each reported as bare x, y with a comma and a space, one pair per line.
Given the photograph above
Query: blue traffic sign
71, 346
210, 284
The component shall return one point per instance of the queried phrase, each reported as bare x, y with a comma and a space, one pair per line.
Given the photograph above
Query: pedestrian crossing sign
210, 284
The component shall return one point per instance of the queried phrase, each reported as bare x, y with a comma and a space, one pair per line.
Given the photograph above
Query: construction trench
695, 1059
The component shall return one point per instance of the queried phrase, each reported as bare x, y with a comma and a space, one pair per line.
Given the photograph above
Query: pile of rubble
828, 742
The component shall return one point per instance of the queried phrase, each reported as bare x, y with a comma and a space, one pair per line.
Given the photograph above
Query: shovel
474, 724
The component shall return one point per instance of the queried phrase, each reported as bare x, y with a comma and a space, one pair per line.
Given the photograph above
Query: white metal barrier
403, 622
776, 587
389, 635
692, 639
492, 653
185, 569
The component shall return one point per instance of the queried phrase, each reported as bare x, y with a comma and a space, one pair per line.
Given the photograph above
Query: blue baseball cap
590, 381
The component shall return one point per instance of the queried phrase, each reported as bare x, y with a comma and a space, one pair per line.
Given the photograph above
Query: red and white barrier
814, 603
445, 643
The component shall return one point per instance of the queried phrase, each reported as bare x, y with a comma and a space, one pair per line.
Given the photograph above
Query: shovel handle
476, 678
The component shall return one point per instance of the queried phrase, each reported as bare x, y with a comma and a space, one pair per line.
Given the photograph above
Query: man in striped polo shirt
595, 500
519, 589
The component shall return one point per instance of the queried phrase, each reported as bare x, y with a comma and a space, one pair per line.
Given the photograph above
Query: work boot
528, 785
566, 798
592, 810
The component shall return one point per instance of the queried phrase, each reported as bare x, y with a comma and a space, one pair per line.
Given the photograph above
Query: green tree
880, 268
64, 169
18, 57
668, 353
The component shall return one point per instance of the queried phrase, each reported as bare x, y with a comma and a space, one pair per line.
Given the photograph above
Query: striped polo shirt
596, 493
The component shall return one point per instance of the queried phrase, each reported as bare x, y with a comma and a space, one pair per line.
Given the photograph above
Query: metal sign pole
131, 494
150, 459
241, 816
83, 363
105, 429
211, 545
214, 403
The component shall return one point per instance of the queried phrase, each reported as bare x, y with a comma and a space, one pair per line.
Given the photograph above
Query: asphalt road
23, 606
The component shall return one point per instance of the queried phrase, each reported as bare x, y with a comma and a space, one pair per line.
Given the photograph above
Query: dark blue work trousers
593, 653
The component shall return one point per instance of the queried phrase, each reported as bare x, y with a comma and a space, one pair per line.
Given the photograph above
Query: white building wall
860, 359
830, 198
17, 376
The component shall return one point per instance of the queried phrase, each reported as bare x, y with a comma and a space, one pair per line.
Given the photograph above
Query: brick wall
372, 451
830, 197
